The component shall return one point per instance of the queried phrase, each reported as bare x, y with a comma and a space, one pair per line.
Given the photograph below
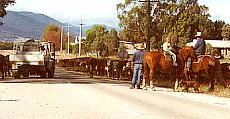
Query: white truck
33, 58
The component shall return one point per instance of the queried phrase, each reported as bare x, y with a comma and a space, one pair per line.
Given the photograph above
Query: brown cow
2, 59
7, 66
90, 64
116, 68
100, 66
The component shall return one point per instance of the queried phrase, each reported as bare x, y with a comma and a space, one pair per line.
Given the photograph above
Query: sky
100, 11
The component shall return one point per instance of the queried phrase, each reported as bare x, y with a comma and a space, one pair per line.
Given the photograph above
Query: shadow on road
63, 76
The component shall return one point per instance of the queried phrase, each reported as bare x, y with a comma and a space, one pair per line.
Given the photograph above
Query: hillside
27, 24
31, 25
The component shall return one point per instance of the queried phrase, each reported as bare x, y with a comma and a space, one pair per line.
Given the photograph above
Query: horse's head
192, 53
175, 49
187, 52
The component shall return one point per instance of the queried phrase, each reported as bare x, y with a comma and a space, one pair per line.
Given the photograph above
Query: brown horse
156, 61
208, 67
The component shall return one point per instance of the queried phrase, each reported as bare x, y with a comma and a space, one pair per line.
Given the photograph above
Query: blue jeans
137, 73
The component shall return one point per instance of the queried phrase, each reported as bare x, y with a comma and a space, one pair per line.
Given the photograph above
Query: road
72, 95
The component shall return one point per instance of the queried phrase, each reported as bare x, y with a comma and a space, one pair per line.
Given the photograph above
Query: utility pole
68, 37
62, 31
61, 37
149, 22
80, 37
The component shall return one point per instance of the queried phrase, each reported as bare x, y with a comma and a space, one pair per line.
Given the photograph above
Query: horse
157, 61
208, 67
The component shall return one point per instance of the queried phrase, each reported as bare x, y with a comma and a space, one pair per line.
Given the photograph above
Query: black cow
2, 59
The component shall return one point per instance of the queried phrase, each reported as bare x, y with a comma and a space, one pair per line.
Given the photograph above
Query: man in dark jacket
137, 61
200, 50
200, 45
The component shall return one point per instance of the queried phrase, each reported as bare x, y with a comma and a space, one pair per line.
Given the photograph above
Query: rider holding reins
168, 49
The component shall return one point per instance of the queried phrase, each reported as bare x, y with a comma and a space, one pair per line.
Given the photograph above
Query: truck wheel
15, 74
25, 73
43, 74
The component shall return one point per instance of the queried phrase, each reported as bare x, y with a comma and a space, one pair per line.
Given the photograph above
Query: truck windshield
30, 46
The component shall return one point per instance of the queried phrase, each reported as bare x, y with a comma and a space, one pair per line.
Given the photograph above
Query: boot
174, 63
132, 87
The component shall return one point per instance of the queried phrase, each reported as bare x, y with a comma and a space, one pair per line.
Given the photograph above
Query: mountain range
31, 25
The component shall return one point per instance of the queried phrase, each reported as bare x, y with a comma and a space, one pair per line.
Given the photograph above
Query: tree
226, 32
3, 5
133, 21
218, 25
181, 17
112, 41
95, 38
52, 33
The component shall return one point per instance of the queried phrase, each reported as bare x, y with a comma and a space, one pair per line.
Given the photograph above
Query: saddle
198, 59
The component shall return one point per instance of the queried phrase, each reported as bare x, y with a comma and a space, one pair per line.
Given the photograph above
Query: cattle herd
114, 68
120, 69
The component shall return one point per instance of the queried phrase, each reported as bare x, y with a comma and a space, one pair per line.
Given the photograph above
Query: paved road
72, 95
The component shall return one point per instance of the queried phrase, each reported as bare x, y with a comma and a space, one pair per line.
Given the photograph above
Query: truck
33, 58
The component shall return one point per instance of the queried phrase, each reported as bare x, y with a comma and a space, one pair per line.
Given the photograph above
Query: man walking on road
137, 61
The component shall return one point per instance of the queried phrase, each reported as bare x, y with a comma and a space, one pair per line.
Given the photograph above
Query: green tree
6, 45
112, 40
133, 21
181, 17
3, 5
218, 25
95, 38
226, 32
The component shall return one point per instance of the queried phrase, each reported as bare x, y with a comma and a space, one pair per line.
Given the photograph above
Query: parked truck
33, 58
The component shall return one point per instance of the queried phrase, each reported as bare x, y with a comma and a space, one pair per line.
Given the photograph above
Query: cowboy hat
198, 34
140, 46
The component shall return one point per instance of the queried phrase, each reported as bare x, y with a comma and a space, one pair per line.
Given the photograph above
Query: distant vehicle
33, 58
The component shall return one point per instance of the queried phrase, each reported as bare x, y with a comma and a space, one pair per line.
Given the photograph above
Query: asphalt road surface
72, 95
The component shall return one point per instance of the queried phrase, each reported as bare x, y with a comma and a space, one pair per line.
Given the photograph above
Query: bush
6, 46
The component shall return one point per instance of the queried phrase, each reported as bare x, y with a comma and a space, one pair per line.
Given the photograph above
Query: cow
2, 59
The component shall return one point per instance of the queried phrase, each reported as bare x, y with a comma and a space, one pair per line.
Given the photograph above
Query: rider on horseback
200, 45
168, 49
199, 48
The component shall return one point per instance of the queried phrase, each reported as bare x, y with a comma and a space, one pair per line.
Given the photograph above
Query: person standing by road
137, 61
